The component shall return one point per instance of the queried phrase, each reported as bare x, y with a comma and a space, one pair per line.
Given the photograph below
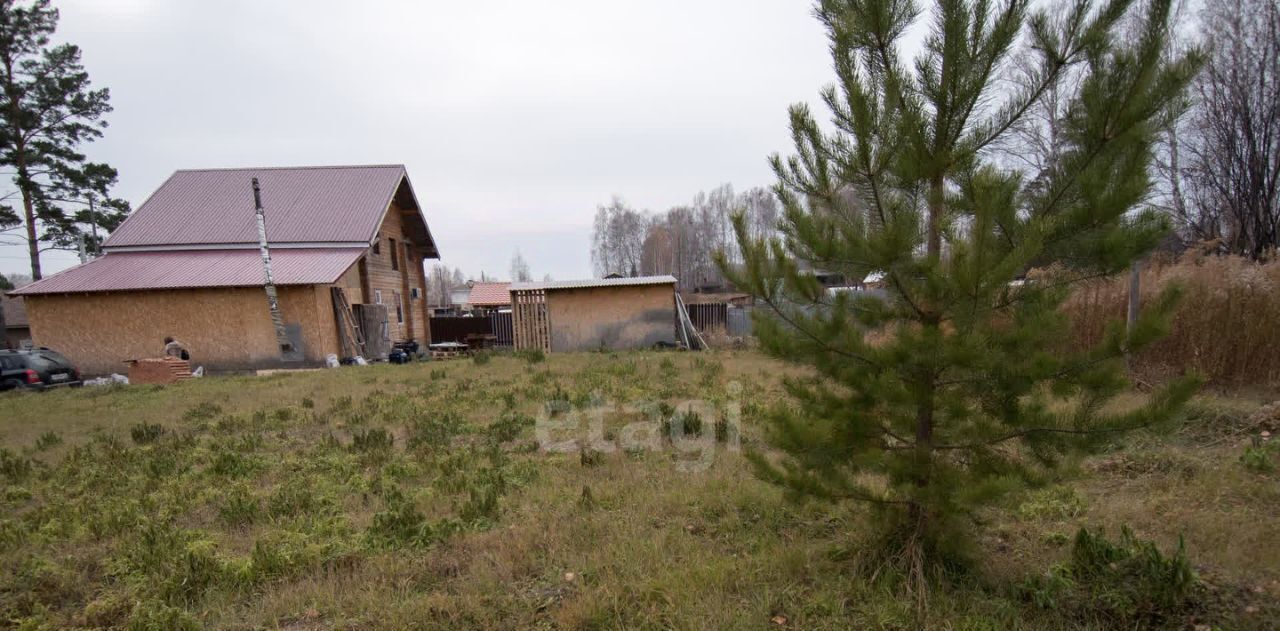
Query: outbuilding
588, 315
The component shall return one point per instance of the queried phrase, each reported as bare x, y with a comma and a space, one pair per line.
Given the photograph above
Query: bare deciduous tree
618, 238
520, 269
1231, 148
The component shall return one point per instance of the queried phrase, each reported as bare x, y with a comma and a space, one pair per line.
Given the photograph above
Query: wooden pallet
449, 354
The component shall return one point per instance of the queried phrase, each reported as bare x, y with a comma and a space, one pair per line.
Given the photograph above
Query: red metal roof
128, 271
313, 205
490, 294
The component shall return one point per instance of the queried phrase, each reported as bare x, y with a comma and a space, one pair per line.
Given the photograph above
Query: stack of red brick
158, 370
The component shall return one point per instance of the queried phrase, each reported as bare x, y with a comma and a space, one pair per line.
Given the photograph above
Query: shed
348, 245
13, 319
588, 315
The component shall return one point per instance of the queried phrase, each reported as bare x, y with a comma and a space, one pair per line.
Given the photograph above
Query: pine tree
47, 110
958, 383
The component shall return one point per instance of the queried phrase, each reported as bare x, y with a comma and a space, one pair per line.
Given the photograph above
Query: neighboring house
13, 319
589, 315
186, 263
458, 296
489, 295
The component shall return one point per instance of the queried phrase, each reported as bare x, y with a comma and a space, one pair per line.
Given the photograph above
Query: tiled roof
490, 294
597, 282
304, 205
129, 271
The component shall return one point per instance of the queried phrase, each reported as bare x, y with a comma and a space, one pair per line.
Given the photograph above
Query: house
489, 295
13, 319
345, 242
588, 315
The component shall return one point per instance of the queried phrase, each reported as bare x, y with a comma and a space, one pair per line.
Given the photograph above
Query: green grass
417, 497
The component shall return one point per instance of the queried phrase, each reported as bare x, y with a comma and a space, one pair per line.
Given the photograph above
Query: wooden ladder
352, 337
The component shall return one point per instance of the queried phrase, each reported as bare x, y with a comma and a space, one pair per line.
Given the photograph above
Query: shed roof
596, 282
305, 206
489, 294
130, 271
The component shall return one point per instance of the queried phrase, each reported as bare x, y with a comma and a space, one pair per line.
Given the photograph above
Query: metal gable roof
304, 205
131, 271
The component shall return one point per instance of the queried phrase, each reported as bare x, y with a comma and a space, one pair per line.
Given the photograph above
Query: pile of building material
162, 370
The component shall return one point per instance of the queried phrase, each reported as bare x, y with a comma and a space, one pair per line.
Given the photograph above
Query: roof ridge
296, 168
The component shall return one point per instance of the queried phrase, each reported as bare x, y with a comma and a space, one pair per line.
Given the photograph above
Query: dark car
36, 369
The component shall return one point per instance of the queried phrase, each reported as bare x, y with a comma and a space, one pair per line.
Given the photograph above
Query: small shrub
508, 427
146, 433
202, 412
726, 432
294, 497
48, 440
161, 464
688, 423
308, 403
438, 374
401, 524
157, 616
1059, 502
481, 357
372, 440
590, 458
1130, 583
13, 466
1257, 457
557, 402
434, 431
239, 507
232, 464
482, 503
532, 355
341, 404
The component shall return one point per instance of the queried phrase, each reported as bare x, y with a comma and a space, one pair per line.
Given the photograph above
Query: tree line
683, 240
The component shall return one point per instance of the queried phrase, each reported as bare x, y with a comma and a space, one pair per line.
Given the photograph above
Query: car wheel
10, 384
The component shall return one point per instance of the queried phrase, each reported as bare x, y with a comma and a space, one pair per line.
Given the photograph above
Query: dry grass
1224, 328
624, 539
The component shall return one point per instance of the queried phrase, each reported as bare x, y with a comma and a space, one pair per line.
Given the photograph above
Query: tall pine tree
47, 110
959, 383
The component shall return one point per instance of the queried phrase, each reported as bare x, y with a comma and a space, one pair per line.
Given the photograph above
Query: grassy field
418, 497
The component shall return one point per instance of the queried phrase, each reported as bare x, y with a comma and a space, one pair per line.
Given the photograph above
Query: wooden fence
457, 328
711, 317
531, 328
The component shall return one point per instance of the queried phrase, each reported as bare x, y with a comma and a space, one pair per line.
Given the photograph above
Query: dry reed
1226, 328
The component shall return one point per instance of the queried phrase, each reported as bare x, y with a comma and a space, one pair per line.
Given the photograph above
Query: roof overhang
197, 269
416, 226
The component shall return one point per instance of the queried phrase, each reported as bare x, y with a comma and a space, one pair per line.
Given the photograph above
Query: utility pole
273, 302
93, 225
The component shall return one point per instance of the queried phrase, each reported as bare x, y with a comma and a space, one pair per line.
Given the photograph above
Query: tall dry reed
1227, 327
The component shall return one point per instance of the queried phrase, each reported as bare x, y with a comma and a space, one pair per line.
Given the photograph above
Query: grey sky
514, 118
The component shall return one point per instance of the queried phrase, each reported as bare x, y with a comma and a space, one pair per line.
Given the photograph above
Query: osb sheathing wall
224, 329
611, 317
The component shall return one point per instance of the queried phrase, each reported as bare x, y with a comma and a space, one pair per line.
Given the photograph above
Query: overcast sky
514, 118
